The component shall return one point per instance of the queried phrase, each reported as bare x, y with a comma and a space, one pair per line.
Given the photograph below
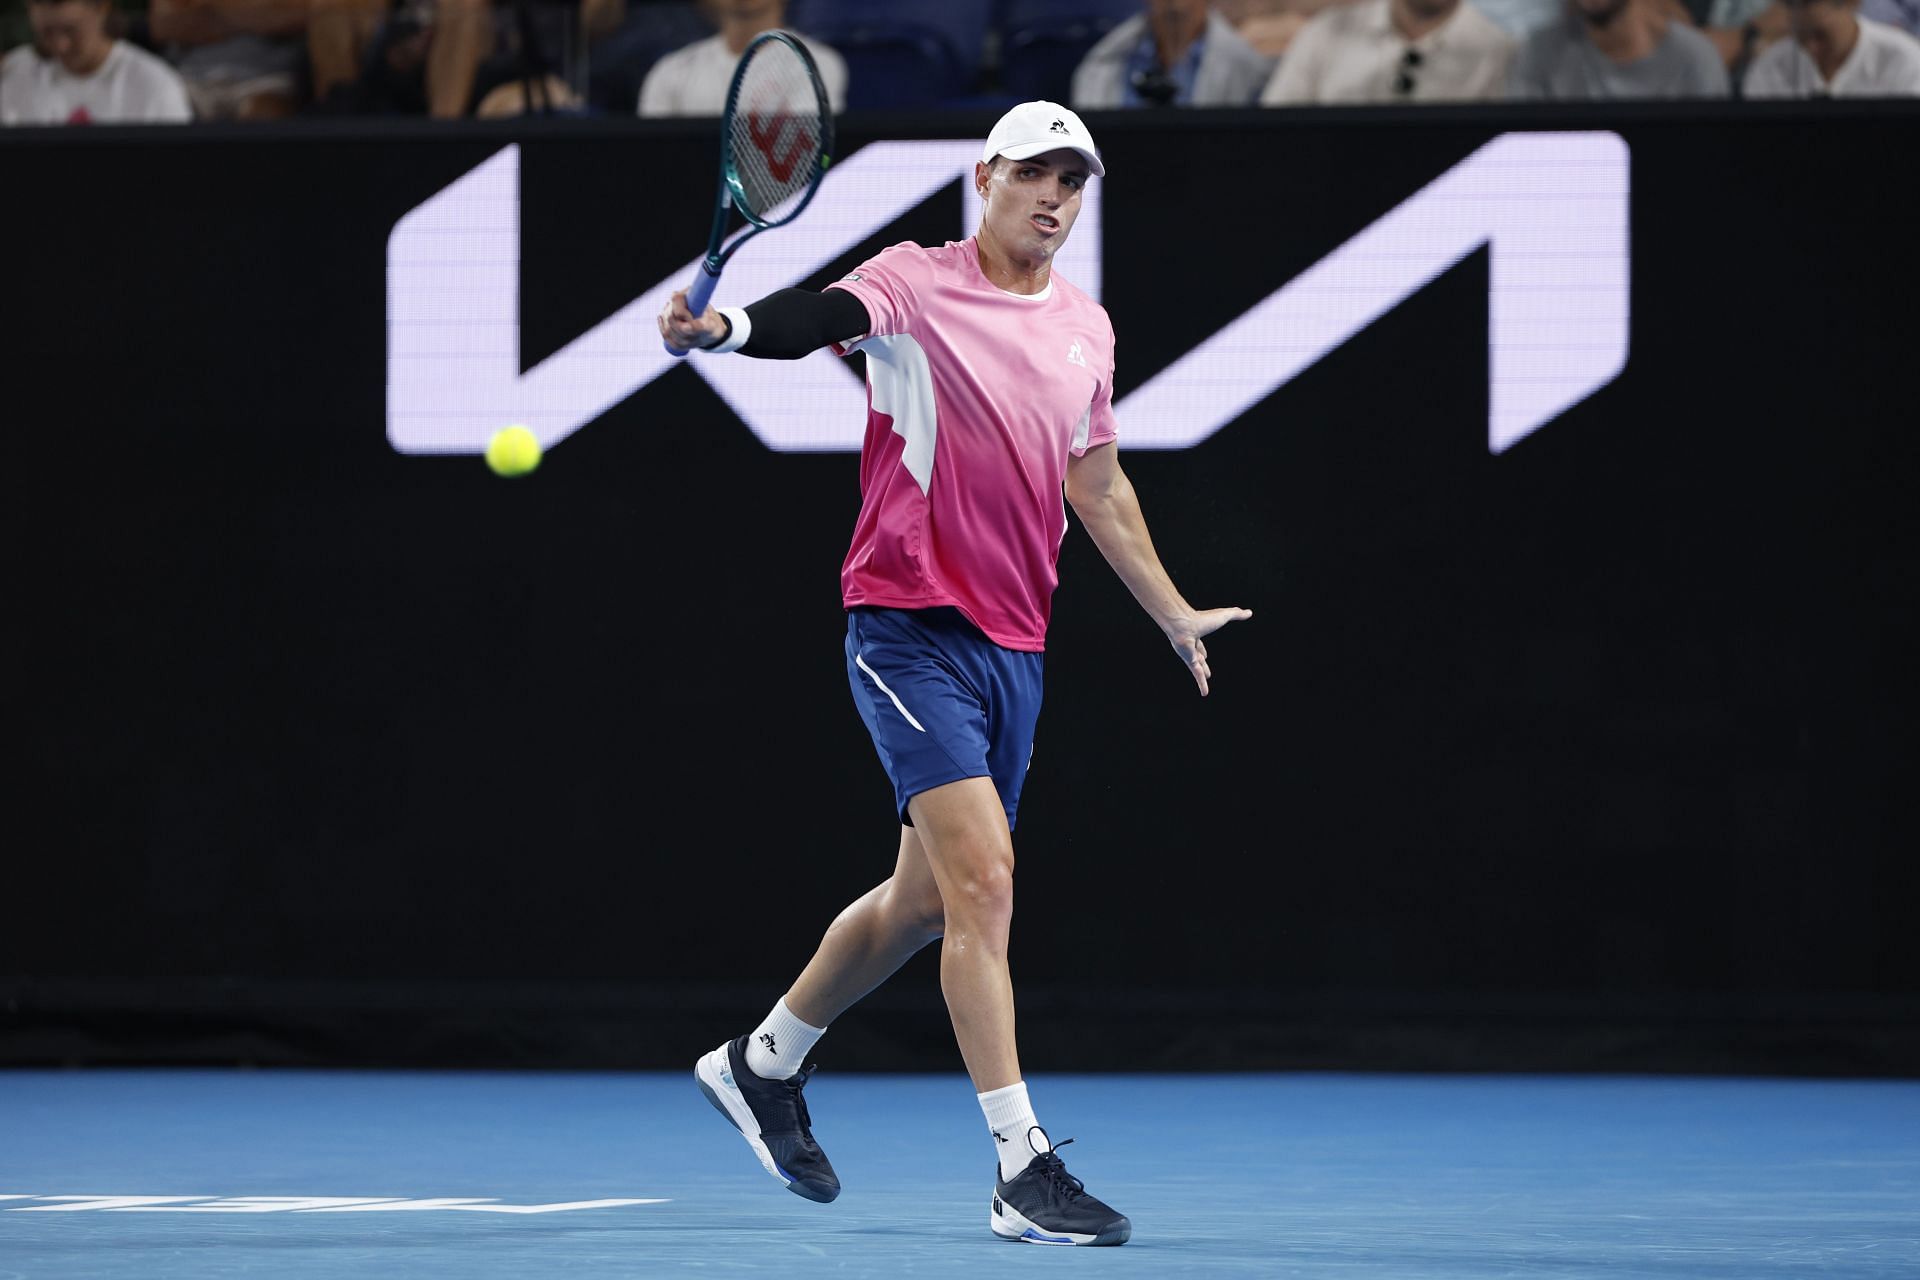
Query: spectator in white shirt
1393, 51
692, 81
1742, 29
1836, 53
76, 72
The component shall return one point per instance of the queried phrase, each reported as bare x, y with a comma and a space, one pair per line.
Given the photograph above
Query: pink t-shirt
975, 398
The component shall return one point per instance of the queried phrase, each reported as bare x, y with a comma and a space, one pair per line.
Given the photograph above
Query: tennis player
990, 388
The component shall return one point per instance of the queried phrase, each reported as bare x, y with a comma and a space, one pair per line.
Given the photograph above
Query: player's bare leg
954, 872
756, 1080
963, 828
969, 849
869, 941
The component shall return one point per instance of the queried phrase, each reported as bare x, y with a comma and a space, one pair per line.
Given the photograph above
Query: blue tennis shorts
942, 701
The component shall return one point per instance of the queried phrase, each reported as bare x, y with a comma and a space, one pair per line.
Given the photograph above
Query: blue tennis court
206, 1173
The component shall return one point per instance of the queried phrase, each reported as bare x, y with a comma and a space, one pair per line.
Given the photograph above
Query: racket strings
778, 129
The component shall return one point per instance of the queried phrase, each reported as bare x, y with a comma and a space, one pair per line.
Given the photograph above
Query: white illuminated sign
1551, 207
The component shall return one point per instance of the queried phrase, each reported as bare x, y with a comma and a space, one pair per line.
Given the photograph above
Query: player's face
1032, 204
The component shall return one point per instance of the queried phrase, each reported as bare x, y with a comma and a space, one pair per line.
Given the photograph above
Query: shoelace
1053, 1171
796, 1083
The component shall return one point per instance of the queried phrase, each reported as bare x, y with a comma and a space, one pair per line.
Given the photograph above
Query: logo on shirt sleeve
853, 276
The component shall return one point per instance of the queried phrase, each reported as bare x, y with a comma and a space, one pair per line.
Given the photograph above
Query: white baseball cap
1035, 128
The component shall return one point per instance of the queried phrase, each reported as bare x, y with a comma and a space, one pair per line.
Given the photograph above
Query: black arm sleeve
791, 323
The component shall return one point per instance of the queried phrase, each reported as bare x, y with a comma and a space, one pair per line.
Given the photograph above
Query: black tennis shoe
772, 1116
1044, 1204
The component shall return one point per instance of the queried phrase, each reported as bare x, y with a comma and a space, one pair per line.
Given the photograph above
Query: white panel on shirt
902, 384
1083, 429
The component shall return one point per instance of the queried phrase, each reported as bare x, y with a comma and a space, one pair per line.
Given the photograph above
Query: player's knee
983, 894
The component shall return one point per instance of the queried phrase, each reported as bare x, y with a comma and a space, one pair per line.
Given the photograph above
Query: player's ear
982, 177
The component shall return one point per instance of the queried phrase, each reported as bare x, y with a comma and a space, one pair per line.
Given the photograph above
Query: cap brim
1028, 150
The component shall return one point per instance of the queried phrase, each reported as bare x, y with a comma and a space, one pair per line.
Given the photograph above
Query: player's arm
784, 325
1104, 499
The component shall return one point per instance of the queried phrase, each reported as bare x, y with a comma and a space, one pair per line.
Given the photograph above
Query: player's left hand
1186, 640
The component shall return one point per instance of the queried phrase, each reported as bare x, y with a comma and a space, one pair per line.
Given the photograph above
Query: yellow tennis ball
513, 451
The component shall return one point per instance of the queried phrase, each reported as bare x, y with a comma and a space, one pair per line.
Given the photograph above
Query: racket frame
732, 193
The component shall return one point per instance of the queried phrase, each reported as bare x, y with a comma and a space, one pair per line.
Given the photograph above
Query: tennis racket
775, 136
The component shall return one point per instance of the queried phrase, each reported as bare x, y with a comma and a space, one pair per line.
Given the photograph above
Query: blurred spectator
1269, 25
530, 95
1393, 51
441, 58
538, 52
77, 72
1741, 29
626, 37
692, 81
370, 56
1836, 53
459, 36
1618, 49
1176, 53
1521, 18
241, 59
341, 35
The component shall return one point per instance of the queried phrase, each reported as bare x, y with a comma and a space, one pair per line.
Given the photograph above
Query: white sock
778, 1046
1017, 1136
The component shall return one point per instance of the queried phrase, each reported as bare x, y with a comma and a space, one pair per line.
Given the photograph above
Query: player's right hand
679, 328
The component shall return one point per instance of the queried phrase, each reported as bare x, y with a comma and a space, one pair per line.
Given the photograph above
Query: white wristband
742, 329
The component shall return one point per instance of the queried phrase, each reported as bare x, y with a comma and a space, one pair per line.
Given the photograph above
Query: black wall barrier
1593, 752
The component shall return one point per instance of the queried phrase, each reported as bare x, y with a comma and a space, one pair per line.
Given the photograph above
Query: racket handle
698, 295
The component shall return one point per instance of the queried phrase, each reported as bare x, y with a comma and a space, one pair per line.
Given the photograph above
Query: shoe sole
1009, 1224
714, 1074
